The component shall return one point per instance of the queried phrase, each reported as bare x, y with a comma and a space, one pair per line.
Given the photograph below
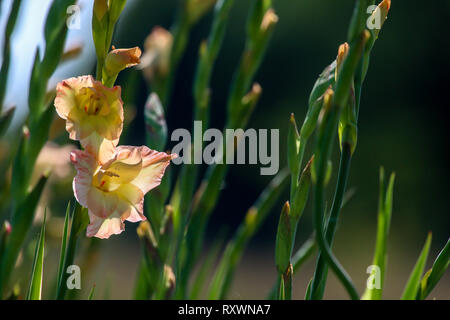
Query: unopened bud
5, 231
250, 218
145, 232
100, 9
169, 277
7, 227
240, 114
283, 245
156, 58
342, 55
26, 132
327, 100
253, 95
120, 59
383, 10
293, 147
167, 223
269, 20
301, 195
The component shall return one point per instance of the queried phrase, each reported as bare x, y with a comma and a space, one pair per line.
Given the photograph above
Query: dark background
402, 126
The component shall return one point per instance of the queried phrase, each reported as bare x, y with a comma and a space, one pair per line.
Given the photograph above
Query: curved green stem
334, 264
321, 272
322, 156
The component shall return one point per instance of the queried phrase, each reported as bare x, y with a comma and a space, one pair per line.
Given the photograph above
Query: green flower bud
293, 147
284, 239
302, 192
118, 60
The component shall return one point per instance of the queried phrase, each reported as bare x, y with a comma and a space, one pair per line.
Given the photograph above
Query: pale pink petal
102, 204
104, 228
154, 165
90, 107
135, 198
129, 154
110, 124
85, 164
78, 126
135, 216
100, 147
66, 91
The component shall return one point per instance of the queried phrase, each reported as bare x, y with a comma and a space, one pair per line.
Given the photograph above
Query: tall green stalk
321, 271
327, 133
320, 274
190, 12
260, 25
209, 51
10, 26
256, 215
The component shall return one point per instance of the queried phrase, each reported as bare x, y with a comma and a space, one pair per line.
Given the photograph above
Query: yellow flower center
112, 177
92, 102
104, 181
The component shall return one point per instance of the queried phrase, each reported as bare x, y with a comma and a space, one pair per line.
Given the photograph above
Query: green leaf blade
63, 244
80, 220
35, 290
384, 221
412, 287
91, 294
432, 277
21, 224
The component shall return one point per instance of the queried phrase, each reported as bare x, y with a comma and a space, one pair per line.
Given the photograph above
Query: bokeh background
403, 127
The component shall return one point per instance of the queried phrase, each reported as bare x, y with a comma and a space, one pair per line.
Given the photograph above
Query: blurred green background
403, 127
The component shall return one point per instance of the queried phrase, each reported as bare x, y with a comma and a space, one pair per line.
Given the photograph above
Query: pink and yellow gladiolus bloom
93, 114
114, 191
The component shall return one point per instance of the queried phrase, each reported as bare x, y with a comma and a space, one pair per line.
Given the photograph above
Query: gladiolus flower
120, 59
93, 114
114, 192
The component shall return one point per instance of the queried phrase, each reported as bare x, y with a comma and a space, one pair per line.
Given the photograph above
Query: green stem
10, 26
322, 155
321, 272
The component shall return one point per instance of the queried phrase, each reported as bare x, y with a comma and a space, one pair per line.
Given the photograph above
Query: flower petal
90, 107
134, 196
102, 204
86, 165
104, 228
109, 124
154, 165
135, 216
66, 92
100, 147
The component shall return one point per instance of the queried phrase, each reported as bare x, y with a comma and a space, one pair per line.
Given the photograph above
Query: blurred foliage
401, 122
